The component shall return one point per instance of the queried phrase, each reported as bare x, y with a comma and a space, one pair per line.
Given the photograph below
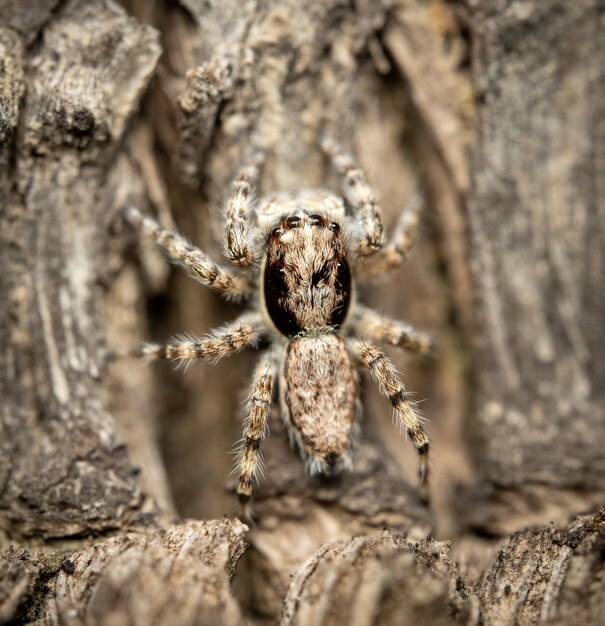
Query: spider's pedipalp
244, 332
197, 264
238, 244
360, 195
371, 324
398, 248
256, 428
385, 375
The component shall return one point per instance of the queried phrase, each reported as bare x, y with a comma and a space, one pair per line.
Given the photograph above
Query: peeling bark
547, 576
178, 575
378, 580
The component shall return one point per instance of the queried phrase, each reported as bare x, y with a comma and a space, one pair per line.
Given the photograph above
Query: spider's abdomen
319, 389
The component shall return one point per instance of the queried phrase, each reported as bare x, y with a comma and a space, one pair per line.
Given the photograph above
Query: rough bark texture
536, 216
62, 470
178, 575
495, 109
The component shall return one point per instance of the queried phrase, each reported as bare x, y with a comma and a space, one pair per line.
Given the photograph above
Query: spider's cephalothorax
306, 278
309, 249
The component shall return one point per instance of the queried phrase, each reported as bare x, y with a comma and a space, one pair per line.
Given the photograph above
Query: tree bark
494, 110
536, 218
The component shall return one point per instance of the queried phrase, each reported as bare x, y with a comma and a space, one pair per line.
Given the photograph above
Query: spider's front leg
385, 375
398, 248
238, 246
371, 324
256, 428
359, 194
197, 264
245, 332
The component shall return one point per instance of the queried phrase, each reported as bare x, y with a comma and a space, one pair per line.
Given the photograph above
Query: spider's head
307, 280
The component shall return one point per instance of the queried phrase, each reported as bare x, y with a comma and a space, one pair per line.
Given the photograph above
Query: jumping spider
301, 252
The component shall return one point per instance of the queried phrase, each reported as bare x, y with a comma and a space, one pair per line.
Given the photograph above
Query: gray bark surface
495, 110
59, 144
536, 218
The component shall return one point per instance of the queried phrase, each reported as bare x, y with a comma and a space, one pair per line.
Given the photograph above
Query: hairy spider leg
360, 195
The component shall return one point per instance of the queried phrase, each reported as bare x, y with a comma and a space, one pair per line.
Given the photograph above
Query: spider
299, 254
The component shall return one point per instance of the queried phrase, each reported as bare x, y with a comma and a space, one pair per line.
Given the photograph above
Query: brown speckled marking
319, 388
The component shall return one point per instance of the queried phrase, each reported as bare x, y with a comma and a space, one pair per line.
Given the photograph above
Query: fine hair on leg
197, 264
384, 373
359, 194
245, 332
377, 327
256, 428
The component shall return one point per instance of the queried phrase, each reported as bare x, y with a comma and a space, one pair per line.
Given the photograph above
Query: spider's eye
334, 227
316, 220
293, 221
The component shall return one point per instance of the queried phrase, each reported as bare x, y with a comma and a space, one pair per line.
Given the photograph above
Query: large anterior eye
293, 221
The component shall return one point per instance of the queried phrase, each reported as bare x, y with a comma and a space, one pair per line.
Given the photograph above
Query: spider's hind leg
383, 373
